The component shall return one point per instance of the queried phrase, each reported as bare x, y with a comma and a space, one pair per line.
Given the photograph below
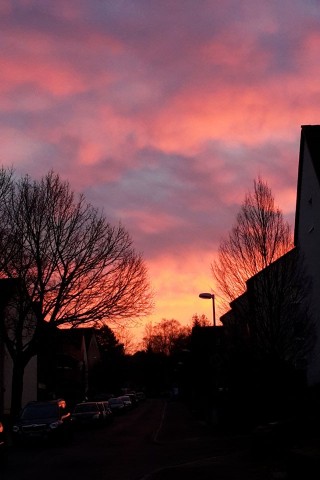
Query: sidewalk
216, 455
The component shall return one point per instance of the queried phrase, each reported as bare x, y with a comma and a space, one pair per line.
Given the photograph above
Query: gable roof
75, 336
310, 136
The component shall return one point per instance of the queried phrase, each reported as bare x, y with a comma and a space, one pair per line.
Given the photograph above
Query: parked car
49, 420
88, 414
116, 405
127, 401
101, 397
140, 396
108, 414
3, 446
133, 398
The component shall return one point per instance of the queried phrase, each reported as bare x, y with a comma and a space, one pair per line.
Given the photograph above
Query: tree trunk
17, 387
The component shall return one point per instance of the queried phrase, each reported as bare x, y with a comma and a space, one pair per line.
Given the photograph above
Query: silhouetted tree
259, 237
75, 266
269, 327
126, 337
165, 336
109, 374
150, 372
107, 341
200, 321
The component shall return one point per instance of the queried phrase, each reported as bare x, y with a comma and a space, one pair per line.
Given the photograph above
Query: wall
29, 382
308, 240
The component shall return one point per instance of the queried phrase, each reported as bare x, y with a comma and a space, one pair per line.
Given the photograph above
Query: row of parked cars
102, 410
53, 420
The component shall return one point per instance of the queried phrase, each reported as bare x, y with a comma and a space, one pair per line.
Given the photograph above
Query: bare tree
262, 276
76, 267
165, 336
126, 338
259, 236
200, 320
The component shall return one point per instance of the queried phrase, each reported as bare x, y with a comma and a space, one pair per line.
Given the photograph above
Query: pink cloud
46, 76
151, 222
163, 113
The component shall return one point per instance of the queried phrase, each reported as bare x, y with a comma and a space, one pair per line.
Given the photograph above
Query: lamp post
210, 296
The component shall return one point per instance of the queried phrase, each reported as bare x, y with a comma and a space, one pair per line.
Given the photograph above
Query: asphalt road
128, 449
156, 440
123, 450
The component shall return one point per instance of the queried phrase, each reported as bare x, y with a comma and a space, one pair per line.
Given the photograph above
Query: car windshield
39, 411
86, 407
115, 401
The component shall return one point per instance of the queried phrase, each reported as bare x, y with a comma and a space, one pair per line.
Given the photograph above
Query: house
235, 320
207, 371
301, 295
307, 230
67, 363
9, 313
64, 363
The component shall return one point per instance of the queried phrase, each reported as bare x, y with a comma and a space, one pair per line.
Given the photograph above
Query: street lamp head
210, 296
206, 295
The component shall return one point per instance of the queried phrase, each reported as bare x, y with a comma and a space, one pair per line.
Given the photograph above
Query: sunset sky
162, 112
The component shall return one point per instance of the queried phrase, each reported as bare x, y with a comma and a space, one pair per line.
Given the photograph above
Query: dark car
127, 401
49, 420
108, 414
3, 447
116, 405
134, 399
88, 414
141, 396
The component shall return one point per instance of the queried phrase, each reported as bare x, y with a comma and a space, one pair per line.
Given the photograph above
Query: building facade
307, 230
8, 323
306, 252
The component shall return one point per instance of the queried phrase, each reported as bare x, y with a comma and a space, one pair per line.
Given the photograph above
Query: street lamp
210, 296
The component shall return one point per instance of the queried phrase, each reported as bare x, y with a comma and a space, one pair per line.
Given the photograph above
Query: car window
85, 408
32, 412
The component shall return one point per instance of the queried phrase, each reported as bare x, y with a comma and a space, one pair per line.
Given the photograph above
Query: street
128, 449
123, 450
142, 444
